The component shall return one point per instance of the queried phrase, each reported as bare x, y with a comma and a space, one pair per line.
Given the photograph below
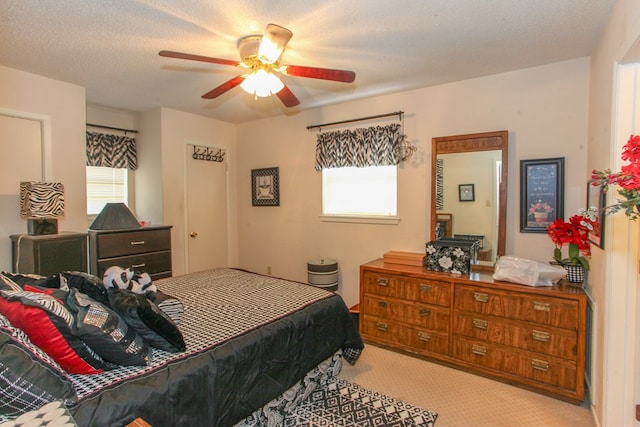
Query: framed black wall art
541, 193
265, 187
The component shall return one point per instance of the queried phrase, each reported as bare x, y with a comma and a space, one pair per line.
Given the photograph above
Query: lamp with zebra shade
41, 203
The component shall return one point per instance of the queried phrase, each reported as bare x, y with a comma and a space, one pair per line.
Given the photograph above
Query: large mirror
469, 190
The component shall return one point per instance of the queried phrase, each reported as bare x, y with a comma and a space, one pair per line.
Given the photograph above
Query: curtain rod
395, 113
112, 128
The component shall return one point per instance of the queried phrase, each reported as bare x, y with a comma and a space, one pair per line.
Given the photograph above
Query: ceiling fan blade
191, 57
224, 87
273, 42
287, 97
320, 73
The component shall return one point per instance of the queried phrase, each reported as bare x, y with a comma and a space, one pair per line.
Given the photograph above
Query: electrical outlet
268, 269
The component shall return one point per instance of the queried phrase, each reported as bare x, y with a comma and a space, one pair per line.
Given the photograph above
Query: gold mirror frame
469, 143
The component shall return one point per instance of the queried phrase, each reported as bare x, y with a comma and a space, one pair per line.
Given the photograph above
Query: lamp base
41, 227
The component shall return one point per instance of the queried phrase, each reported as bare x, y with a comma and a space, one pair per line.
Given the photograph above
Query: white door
206, 216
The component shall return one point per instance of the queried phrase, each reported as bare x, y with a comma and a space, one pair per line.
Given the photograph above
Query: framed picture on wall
541, 193
265, 187
466, 193
597, 197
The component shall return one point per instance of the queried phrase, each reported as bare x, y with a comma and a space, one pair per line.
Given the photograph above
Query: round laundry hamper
323, 273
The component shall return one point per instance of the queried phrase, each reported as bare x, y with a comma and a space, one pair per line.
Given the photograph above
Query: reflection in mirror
480, 160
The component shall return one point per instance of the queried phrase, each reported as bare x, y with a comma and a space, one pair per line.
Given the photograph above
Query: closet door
21, 154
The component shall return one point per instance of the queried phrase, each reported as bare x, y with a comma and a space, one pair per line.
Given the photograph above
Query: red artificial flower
628, 179
573, 233
631, 150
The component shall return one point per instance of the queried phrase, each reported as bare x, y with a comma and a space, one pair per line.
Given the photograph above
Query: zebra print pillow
50, 330
78, 317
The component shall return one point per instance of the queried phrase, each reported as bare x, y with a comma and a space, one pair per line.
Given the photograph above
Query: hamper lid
322, 264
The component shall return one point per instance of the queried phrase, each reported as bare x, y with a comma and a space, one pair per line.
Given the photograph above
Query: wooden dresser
146, 249
533, 337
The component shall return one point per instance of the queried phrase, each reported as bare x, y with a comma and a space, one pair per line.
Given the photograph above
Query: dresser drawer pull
137, 242
424, 336
480, 350
383, 304
540, 365
540, 335
480, 297
382, 326
480, 324
426, 288
383, 282
142, 264
541, 306
424, 312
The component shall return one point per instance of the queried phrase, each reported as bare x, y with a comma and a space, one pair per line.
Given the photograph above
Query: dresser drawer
546, 369
431, 317
156, 264
544, 310
413, 289
133, 242
412, 339
527, 336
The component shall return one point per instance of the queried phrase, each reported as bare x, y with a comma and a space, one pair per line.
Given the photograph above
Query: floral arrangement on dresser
574, 235
627, 180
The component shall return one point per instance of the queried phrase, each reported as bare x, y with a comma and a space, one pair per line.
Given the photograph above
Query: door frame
45, 136
185, 193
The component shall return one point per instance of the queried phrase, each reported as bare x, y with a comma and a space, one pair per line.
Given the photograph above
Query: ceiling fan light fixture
269, 51
261, 83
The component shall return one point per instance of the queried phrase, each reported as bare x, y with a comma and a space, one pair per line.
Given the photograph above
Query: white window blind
105, 185
352, 191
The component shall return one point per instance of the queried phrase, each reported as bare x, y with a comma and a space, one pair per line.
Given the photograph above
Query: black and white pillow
29, 378
148, 320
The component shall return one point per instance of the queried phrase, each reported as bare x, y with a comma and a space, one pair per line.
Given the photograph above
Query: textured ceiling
111, 46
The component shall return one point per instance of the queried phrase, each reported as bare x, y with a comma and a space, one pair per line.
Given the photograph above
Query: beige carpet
459, 398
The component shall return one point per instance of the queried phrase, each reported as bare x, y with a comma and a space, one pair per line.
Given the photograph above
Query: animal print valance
374, 146
112, 151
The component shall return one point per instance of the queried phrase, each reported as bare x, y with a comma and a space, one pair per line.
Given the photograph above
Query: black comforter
249, 338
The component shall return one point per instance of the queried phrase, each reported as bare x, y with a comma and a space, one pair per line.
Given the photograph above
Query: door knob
193, 234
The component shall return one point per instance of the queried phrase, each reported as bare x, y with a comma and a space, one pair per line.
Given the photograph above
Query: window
105, 185
369, 192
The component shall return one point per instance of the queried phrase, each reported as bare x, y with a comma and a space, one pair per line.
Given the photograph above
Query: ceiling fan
260, 56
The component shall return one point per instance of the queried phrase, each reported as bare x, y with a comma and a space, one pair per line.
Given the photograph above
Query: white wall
62, 106
178, 129
544, 109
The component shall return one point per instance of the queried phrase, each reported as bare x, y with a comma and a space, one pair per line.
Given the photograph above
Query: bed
249, 339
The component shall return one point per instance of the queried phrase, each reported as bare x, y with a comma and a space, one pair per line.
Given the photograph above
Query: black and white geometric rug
345, 404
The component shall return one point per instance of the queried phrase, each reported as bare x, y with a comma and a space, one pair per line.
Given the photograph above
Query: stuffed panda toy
140, 283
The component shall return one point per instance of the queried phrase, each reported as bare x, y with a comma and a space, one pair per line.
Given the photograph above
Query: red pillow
65, 350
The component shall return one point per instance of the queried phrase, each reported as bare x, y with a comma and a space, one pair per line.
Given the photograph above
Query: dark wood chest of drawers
527, 336
146, 249
49, 254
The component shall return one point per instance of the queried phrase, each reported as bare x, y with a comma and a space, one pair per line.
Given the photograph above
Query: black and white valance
112, 151
374, 146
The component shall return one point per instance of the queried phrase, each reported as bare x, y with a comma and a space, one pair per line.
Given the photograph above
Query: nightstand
49, 254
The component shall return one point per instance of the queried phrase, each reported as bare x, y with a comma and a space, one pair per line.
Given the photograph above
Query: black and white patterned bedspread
247, 335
